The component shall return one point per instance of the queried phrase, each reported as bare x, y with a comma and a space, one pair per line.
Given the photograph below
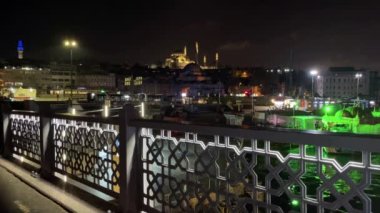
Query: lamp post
252, 103
313, 73
71, 44
357, 76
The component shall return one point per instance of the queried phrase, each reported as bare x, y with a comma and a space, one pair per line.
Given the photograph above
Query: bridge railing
157, 166
223, 169
82, 148
87, 150
25, 135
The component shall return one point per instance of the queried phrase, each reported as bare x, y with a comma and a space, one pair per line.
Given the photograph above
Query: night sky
249, 33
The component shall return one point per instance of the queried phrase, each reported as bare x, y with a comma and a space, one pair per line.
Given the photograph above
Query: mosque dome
193, 69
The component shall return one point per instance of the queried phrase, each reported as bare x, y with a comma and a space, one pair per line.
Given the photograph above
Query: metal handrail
311, 137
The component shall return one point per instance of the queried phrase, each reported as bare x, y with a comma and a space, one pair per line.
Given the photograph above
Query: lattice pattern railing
202, 173
88, 152
25, 134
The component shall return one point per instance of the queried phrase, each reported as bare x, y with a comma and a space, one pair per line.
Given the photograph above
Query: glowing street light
313, 73
295, 203
328, 109
358, 76
142, 109
71, 44
106, 111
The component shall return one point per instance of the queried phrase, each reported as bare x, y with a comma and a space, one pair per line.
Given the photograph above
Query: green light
295, 203
102, 91
328, 109
376, 114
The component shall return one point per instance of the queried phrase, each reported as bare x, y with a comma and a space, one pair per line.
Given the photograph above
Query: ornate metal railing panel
185, 171
88, 152
25, 134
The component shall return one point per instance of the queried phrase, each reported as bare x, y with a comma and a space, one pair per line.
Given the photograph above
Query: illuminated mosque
179, 60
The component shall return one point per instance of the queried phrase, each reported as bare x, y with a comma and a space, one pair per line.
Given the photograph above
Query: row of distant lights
106, 108
315, 72
13, 90
372, 103
279, 70
22, 68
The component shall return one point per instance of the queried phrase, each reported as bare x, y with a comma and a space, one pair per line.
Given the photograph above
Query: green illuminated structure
375, 114
332, 117
347, 120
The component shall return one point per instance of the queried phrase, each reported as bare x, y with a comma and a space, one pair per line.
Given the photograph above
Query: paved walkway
16, 196
20, 192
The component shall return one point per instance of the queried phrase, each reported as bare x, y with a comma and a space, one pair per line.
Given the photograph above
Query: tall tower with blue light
20, 49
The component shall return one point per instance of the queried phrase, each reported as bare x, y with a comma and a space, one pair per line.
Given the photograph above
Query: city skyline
190, 106
321, 34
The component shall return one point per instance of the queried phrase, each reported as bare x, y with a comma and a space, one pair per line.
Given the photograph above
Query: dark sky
245, 33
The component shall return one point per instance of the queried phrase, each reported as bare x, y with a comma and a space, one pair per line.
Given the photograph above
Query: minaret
20, 49
196, 51
216, 59
204, 61
185, 51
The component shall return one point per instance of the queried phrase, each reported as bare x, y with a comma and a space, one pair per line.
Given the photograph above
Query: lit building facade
193, 82
61, 75
150, 85
92, 81
55, 78
12, 76
346, 82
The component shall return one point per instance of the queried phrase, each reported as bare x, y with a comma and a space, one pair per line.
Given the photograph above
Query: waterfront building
346, 82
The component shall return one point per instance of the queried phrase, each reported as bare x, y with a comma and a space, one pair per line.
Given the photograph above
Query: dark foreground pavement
16, 196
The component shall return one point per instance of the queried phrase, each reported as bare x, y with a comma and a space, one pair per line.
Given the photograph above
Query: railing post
6, 140
31, 105
130, 199
46, 139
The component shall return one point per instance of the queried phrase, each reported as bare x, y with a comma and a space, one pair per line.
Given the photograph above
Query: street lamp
313, 73
252, 95
71, 44
357, 76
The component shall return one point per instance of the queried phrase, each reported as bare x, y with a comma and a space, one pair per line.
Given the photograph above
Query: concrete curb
67, 201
